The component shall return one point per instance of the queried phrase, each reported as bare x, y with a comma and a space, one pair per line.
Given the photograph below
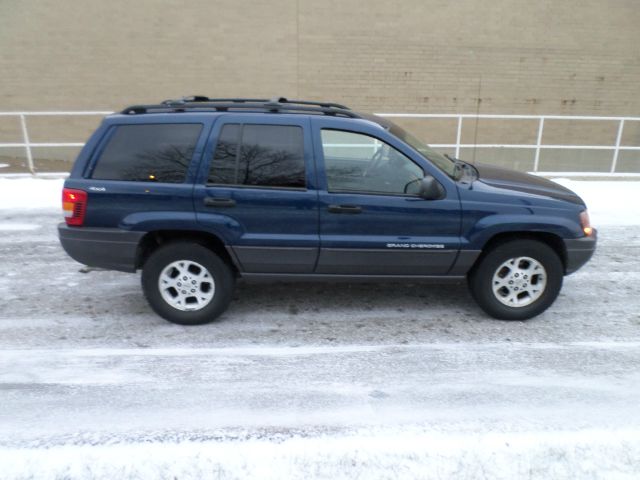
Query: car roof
223, 104
280, 105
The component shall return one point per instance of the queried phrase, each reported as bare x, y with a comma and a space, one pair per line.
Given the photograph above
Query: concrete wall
569, 57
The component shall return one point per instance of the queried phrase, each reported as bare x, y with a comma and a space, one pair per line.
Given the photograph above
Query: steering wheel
374, 163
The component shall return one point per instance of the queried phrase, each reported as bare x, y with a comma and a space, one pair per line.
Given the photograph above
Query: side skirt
319, 277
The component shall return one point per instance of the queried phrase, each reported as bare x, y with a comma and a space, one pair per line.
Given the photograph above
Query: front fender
487, 227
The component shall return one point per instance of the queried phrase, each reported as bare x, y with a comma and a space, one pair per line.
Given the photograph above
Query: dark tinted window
224, 165
259, 155
148, 153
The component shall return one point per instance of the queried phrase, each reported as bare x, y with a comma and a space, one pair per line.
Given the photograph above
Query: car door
372, 221
257, 192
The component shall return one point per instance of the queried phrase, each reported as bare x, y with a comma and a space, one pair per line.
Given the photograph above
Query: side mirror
430, 188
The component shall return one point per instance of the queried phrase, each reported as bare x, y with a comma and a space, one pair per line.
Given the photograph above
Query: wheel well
152, 240
550, 239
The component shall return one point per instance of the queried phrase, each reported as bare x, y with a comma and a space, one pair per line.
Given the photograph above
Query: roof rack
200, 98
275, 105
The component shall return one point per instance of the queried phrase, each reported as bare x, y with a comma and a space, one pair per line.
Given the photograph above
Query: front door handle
219, 202
345, 209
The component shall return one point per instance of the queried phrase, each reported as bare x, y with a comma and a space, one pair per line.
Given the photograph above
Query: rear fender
226, 228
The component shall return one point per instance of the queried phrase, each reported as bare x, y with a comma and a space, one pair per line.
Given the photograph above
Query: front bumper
579, 251
109, 248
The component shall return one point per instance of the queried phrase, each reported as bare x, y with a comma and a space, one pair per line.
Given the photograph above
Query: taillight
74, 205
585, 223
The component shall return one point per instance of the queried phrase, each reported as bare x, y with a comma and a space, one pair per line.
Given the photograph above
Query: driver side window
355, 162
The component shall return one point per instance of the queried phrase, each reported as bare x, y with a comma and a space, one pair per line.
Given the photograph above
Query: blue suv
200, 192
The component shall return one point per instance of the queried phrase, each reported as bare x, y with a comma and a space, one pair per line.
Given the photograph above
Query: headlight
585, 223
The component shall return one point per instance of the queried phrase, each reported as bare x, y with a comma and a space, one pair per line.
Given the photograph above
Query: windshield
439, 160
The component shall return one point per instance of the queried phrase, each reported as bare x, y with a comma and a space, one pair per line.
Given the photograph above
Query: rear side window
259, 155
148, 153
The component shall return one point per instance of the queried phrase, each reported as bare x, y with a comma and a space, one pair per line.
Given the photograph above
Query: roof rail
201, 98
275, 105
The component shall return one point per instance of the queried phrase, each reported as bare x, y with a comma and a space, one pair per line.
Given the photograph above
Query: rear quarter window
148, 153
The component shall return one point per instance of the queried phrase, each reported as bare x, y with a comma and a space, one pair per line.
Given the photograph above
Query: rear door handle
345, 209
219, 202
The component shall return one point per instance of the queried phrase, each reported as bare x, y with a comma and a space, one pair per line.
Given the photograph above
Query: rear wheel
186, 283
517, 280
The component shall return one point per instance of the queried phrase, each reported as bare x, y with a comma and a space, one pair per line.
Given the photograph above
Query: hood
523, 182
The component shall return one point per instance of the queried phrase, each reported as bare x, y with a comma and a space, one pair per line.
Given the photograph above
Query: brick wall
570, 57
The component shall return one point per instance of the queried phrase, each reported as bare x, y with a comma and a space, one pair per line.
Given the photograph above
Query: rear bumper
109, 248
579, 251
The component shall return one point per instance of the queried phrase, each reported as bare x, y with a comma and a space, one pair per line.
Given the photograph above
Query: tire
517, 280
186, 283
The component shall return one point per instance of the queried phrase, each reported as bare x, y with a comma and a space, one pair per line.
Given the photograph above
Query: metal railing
615, 148
538, 146
29, 145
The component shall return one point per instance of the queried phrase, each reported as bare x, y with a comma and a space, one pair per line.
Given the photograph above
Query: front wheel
517, 280
186, 283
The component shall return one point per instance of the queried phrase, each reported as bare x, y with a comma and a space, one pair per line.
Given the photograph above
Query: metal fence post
458, 136
27, 144
614, 161
536, 160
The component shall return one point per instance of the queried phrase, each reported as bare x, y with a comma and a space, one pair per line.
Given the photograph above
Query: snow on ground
315, 380
10, 226
30, 193
609, 202
379, 455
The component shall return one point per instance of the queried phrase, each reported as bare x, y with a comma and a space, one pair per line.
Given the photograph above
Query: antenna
475, 131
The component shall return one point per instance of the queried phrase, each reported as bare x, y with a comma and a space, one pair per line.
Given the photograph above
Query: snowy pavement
315, 380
